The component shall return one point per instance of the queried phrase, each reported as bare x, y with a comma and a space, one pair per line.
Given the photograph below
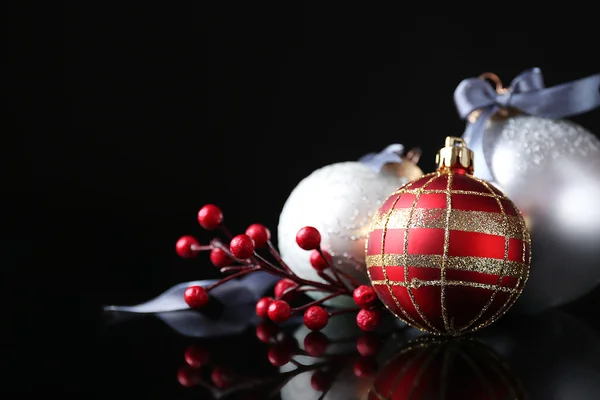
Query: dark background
130, 118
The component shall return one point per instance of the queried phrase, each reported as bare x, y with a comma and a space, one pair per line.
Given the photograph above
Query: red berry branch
253, 251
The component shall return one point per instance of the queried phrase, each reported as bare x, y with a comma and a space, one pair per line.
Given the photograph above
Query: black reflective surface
553, 355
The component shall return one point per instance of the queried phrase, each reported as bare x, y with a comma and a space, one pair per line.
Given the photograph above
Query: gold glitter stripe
482, 265
417, 283
448, 325
454, 191
460, 220
507, 226
405, 252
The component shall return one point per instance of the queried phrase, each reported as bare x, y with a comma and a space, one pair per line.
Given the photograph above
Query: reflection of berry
365, 367
308, 238
259, 233
210, 217
367, 320
368, 344
279, 311
315, 344
316, 318
186, 376
364, 296
318, 262
266, 331
220, 258
283, 286
280, 354
195, 297
242, 246
196, 356
262, 307
222, 377
320, 381
184, 247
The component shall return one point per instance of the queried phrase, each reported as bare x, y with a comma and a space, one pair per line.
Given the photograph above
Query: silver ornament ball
339, 200
551, 170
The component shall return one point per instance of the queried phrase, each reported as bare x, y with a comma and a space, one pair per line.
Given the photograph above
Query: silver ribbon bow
526, 93
376, 161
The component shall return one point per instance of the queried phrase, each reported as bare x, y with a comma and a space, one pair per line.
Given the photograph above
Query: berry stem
266, 262
317, 302
353, 280
334, 270
230, 277
225, 231
343, 311
201, 247
277, 256
234, 268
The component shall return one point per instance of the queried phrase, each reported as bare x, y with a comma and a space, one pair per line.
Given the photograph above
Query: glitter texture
448, 253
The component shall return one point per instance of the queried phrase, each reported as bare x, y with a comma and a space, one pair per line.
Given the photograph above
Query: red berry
283, 287
279, 311
196, 356
279, 354
308, 238
320, 381
241, 246
315, 344
186, 376
364, 296
195, 296
316, 318
222, 377
210, 217
259, 233
220, 258
365, 367
318, 262
262, 306
185, 247
367, 320
368, 345
267, 331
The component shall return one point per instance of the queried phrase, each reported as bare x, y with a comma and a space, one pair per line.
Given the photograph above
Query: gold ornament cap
455, 155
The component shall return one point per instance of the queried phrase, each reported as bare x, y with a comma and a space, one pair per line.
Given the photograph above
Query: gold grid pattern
449, 219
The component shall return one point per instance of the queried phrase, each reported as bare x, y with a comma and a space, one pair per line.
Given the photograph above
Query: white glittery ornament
338, 200
551, 170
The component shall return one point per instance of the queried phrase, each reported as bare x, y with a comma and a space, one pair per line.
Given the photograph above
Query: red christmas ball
210, 217
279, 311
316, 318
260, 234
448, 253
220, 258
195, 297
308, 238
185, 247
445, 369
242, 246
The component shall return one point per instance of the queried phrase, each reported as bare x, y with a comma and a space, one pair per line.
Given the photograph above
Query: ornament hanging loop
490, 76
499, 88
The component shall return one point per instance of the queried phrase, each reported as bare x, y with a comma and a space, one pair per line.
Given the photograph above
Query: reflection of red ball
445, 369
448, 253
